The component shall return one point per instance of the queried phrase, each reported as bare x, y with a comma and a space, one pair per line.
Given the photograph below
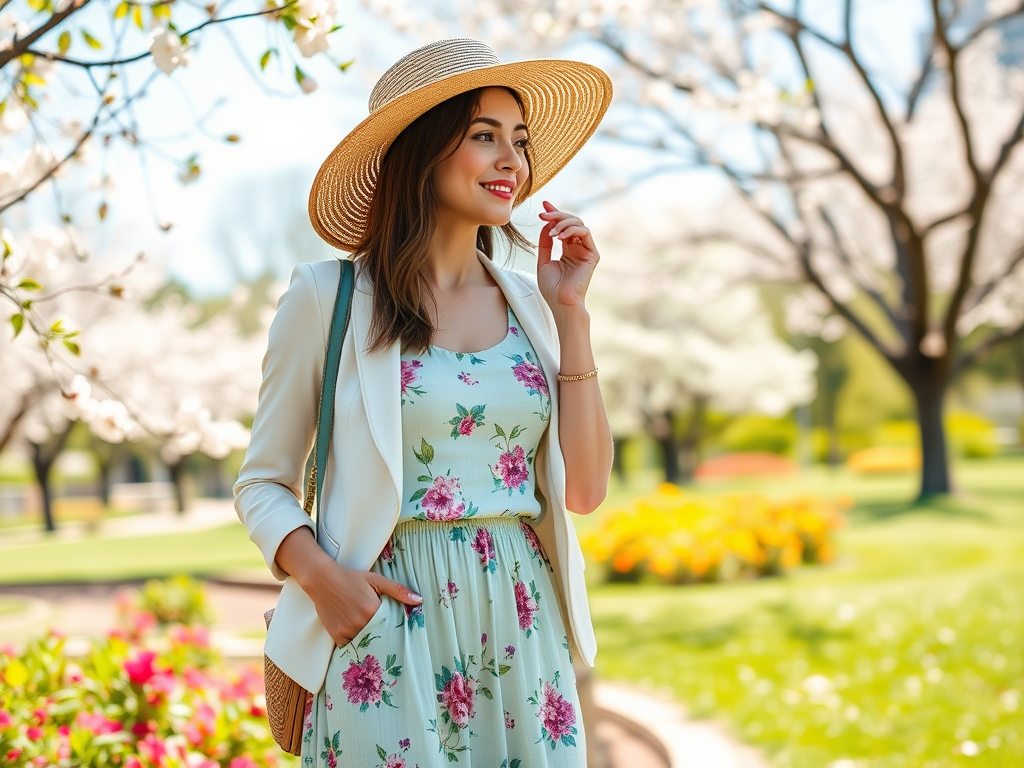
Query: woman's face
477, 184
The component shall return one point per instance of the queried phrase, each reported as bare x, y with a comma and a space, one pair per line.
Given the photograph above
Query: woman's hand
564, 283
346, 598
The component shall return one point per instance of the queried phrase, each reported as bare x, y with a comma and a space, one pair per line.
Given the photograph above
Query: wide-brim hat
563, 103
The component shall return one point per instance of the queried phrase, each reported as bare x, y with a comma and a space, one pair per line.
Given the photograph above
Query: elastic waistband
507, 521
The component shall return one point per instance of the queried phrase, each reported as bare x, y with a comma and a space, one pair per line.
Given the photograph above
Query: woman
440, 618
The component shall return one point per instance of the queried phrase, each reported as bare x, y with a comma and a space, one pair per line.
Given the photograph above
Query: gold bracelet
578, 376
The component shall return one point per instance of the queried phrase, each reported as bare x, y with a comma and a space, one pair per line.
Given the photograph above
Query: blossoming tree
677, 332
155, 370
871, 150
70, 97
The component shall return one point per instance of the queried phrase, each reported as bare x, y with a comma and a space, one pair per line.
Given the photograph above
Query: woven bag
286, 699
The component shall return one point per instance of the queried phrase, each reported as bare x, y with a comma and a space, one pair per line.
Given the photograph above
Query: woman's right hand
346, 598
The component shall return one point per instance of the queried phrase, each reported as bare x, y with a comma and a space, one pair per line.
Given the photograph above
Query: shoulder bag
286, 699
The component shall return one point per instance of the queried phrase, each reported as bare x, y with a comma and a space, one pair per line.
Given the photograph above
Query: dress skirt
479, 675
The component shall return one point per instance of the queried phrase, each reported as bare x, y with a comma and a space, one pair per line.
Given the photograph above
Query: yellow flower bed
679, 538
883, 458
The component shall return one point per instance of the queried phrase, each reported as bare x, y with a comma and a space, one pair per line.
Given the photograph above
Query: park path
636, 729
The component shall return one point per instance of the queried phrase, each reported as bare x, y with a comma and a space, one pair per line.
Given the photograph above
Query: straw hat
564, 102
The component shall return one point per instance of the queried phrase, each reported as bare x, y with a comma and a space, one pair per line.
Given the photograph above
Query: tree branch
843, 311
20, 45
50, 56
969, 358
869, 290
1006, 150
794, 27
5, 204
981, 292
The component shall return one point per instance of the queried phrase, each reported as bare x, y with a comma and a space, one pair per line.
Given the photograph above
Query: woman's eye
485, 136
522, 143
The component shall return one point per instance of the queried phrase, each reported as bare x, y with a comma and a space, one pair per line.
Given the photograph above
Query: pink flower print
388, 553
457, 697
530, 376
510, 651
364, 682
531, 538
466, 419
395, 761
513, 330
453, 589
410, 377
526, 605
557, 715
441, 501
332, 748
465, 378
307, 720
414, 615
509, 722
511, 469
483, 544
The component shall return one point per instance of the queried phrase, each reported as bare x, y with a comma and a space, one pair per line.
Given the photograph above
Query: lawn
907, 652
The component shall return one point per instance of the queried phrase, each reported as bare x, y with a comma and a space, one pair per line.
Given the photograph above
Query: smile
502, 189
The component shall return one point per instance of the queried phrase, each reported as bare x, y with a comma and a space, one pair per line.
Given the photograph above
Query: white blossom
168, 52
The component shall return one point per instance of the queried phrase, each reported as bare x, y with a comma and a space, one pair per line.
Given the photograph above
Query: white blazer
362, 488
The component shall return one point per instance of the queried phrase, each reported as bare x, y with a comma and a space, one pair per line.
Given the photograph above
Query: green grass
65, 510
906, 653
208, 552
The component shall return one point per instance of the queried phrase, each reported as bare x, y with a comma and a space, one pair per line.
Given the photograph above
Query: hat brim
563, 101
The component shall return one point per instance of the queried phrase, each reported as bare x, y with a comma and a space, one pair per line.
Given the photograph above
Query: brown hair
403, 217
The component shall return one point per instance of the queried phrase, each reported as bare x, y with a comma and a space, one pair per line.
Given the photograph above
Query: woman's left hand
564, 283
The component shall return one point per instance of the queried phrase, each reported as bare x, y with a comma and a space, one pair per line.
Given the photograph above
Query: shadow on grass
946, 506
665, 629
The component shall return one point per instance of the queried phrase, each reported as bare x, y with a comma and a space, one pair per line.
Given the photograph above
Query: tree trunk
177, 470
1017, 350
832, 375
11, 426
618, 467
104, 454
689, 449
664, 433
929, 388
43, 457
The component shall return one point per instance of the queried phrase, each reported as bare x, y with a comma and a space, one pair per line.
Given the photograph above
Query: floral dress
480, 674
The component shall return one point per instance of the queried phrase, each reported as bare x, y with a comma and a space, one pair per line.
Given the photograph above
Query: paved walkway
636, 729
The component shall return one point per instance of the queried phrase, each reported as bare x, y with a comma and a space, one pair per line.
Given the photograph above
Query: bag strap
328, 385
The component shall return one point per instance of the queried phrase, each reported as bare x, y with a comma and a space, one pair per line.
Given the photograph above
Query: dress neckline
508, 332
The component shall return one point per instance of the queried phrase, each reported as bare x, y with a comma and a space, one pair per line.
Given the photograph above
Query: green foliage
177, 600
971, 436
872, 392
756, 432
968, 435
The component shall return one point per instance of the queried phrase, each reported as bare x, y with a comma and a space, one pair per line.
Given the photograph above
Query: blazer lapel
380, 381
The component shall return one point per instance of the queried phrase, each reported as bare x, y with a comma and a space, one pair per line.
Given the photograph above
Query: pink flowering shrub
140, 698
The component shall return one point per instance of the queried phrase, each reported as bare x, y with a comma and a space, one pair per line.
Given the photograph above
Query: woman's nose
510, 158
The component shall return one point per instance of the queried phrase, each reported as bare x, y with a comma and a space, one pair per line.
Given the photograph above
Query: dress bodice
471, 425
